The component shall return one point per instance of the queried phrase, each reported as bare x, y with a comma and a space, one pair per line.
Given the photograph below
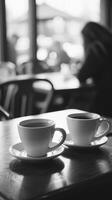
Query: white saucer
97, 143
18, 151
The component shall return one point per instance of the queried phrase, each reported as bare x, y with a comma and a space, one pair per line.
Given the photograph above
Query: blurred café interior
41, 39
41, 54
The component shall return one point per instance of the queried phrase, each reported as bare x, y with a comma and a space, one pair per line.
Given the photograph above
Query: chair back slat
22, 95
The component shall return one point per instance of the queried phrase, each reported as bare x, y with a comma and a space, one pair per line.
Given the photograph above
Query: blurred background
43, 38
56, 29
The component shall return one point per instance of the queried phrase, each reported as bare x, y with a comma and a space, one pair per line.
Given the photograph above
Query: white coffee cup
87, 127
37, 134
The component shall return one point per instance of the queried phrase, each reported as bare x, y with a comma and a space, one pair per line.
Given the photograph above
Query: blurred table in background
64, 86
68, 92
61, 81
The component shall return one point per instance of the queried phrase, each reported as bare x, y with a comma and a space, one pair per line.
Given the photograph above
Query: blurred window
58, 21
17, 26
61, 21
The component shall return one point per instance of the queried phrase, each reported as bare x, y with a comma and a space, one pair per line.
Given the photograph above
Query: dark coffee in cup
81, 117
33, 124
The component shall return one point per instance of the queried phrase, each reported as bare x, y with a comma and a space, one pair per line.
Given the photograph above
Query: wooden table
73, 174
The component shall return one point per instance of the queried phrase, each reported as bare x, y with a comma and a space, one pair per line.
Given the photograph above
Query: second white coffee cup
37, 134
87, 127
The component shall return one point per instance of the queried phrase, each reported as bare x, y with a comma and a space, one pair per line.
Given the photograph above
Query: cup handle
104, 132
61, 141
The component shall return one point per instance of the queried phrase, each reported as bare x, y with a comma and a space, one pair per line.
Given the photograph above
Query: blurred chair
26, 95
4, 115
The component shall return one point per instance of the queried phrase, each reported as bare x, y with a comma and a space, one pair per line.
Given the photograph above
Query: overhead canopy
46, 12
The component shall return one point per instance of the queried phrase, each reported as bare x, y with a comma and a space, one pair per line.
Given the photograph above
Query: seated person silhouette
97, 65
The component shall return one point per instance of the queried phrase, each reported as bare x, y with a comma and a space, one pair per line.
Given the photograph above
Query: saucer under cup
17, 151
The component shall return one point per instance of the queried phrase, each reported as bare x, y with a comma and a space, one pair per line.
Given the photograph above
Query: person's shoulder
98, 48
